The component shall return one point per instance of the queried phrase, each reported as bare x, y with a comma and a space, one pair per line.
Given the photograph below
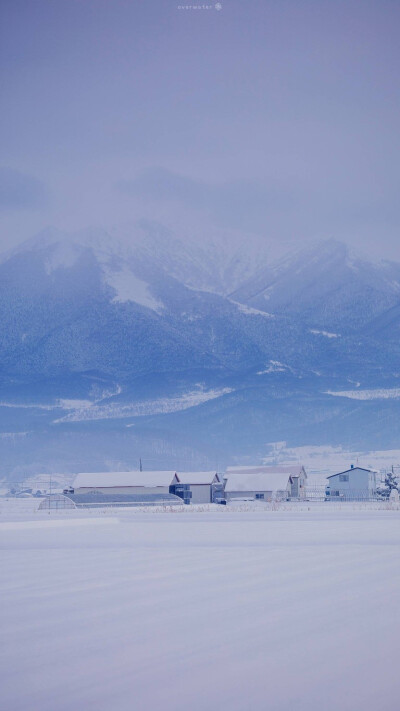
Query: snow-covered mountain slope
60, 254
127, 325
207, 260
326, 286
386, 326
88, 301
207, 265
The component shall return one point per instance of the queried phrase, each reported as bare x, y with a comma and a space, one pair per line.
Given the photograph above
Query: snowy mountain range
119, 346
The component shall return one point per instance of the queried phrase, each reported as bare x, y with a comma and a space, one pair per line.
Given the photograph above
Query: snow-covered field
267, 609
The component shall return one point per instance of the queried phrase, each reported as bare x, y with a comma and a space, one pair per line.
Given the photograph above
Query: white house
294, 472
354, 484
124, 482
257, 485
196, 487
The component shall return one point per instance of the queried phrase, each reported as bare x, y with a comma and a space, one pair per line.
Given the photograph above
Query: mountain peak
60, 246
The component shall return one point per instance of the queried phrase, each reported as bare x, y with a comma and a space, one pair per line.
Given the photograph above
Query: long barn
134, 482
279, 475
258, 485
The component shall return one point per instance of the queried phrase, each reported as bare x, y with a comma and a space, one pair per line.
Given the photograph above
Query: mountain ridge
85, 313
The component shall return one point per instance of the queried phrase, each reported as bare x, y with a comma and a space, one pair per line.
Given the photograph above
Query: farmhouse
256, 484
195, 487
295, 473
115, 483
354, 484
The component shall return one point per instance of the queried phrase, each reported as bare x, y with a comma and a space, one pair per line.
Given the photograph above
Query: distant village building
191, 487
258, 485
195, 487
295, 475
123, 483
354, 484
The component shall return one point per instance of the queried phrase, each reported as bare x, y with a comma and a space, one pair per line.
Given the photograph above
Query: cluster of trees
390, 484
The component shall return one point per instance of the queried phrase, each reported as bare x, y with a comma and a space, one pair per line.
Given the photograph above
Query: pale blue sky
278, 118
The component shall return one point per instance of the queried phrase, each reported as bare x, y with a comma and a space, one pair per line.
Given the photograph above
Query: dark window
259, 496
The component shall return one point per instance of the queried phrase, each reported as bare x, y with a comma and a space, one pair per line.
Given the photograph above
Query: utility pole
140, 465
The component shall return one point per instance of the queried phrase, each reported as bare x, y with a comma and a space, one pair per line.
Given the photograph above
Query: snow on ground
86, 410
377, 394
129, 287
327, 334
147, 407
275, 366
249, 310
225, 609
65, 403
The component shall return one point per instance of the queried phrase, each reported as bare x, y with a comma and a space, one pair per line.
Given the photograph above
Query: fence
98, 500
323, 493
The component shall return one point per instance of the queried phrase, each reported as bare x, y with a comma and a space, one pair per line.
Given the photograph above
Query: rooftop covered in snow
257, 481
123, 479
292, 470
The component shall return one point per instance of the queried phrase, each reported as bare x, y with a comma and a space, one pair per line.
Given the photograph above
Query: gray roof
352, 469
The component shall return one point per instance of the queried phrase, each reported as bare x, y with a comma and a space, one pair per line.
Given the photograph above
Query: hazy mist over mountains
200, 317
240, 285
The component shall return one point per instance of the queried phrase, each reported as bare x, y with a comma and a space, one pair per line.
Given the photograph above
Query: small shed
134, 482
354, 484
295, 472
258, 485
197, 487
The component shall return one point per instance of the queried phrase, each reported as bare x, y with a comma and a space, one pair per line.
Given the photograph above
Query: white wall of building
201, 493
199, 484
255, 495
355, 483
